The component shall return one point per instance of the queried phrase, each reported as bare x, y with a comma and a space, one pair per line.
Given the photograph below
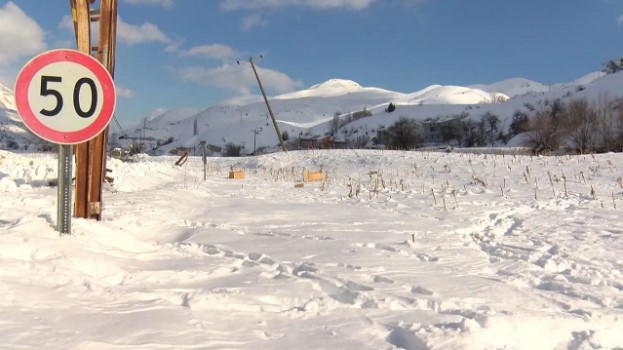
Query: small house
613, 66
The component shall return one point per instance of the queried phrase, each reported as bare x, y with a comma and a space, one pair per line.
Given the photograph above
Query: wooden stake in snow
434, 197
536, 196
551, 182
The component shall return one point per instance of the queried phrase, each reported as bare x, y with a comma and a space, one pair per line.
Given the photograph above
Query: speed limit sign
65, 96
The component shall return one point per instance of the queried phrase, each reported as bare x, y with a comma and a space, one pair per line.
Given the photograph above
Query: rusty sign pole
91, 155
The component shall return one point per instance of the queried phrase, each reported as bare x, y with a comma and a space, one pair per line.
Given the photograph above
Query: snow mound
513, 87
436, 95
332, 87
589, 78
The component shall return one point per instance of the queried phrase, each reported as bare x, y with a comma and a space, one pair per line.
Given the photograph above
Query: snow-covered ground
500, 257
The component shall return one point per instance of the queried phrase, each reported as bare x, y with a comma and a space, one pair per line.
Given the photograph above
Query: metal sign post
65, 165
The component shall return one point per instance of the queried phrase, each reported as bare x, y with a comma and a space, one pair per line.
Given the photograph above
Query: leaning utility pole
283, 146
91, 155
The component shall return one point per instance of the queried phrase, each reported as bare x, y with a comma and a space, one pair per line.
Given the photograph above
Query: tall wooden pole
91, 155
270, 110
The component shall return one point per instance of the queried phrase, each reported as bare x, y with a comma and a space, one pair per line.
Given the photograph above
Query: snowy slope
310, 112
513, 87
337, 87
13, 134
234, 120
451, 95
7, 99
367, 259
306, 112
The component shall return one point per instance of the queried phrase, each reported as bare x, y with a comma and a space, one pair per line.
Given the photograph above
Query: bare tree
608, 124
403, 134
489, 125
519, 124
581, 124
232, 150
545, 135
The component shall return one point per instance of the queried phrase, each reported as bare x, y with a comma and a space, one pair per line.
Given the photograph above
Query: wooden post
91, 155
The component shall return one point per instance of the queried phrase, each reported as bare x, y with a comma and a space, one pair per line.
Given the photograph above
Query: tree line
575, 126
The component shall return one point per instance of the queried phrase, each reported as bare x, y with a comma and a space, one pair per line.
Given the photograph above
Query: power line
124, 134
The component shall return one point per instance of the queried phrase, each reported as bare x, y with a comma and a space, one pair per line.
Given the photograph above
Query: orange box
236, 174
309, 176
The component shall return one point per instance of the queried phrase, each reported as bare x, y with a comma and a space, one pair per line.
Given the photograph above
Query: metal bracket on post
65, 166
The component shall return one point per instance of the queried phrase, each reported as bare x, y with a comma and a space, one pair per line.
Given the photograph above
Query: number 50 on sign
65, 96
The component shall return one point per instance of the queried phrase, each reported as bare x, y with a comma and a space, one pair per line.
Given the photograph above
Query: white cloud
20, 35
216, 51
230, 5
253, 21
620, 20
66, 23
136, 34
239, 78
123, 92
163, 3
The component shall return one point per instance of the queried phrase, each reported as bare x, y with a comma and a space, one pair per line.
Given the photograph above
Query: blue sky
183, 53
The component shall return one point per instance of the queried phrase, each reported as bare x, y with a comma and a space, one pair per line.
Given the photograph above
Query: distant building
439, 131
613, 66
325, 142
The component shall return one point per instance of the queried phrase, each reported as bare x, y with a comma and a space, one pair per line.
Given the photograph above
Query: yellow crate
309, 176
236, 174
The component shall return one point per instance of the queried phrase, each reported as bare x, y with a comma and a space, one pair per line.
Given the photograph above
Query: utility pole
272, 116
204, 159
255, 132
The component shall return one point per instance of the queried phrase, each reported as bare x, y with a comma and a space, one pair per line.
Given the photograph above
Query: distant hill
7, 100
13, 134
360, 112
311, 112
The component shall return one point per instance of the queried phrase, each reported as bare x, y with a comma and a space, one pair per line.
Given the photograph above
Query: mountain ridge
313, 111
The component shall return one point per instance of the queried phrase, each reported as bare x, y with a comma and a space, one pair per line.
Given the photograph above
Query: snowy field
393, 250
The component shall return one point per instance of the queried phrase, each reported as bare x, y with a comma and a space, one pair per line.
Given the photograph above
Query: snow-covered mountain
312, 112
13, 134
309, 112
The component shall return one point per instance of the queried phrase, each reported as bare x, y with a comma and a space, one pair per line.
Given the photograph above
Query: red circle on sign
45, 132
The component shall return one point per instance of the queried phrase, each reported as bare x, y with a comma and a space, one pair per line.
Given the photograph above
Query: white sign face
65, 96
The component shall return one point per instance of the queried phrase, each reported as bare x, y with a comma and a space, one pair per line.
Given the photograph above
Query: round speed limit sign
65, 96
